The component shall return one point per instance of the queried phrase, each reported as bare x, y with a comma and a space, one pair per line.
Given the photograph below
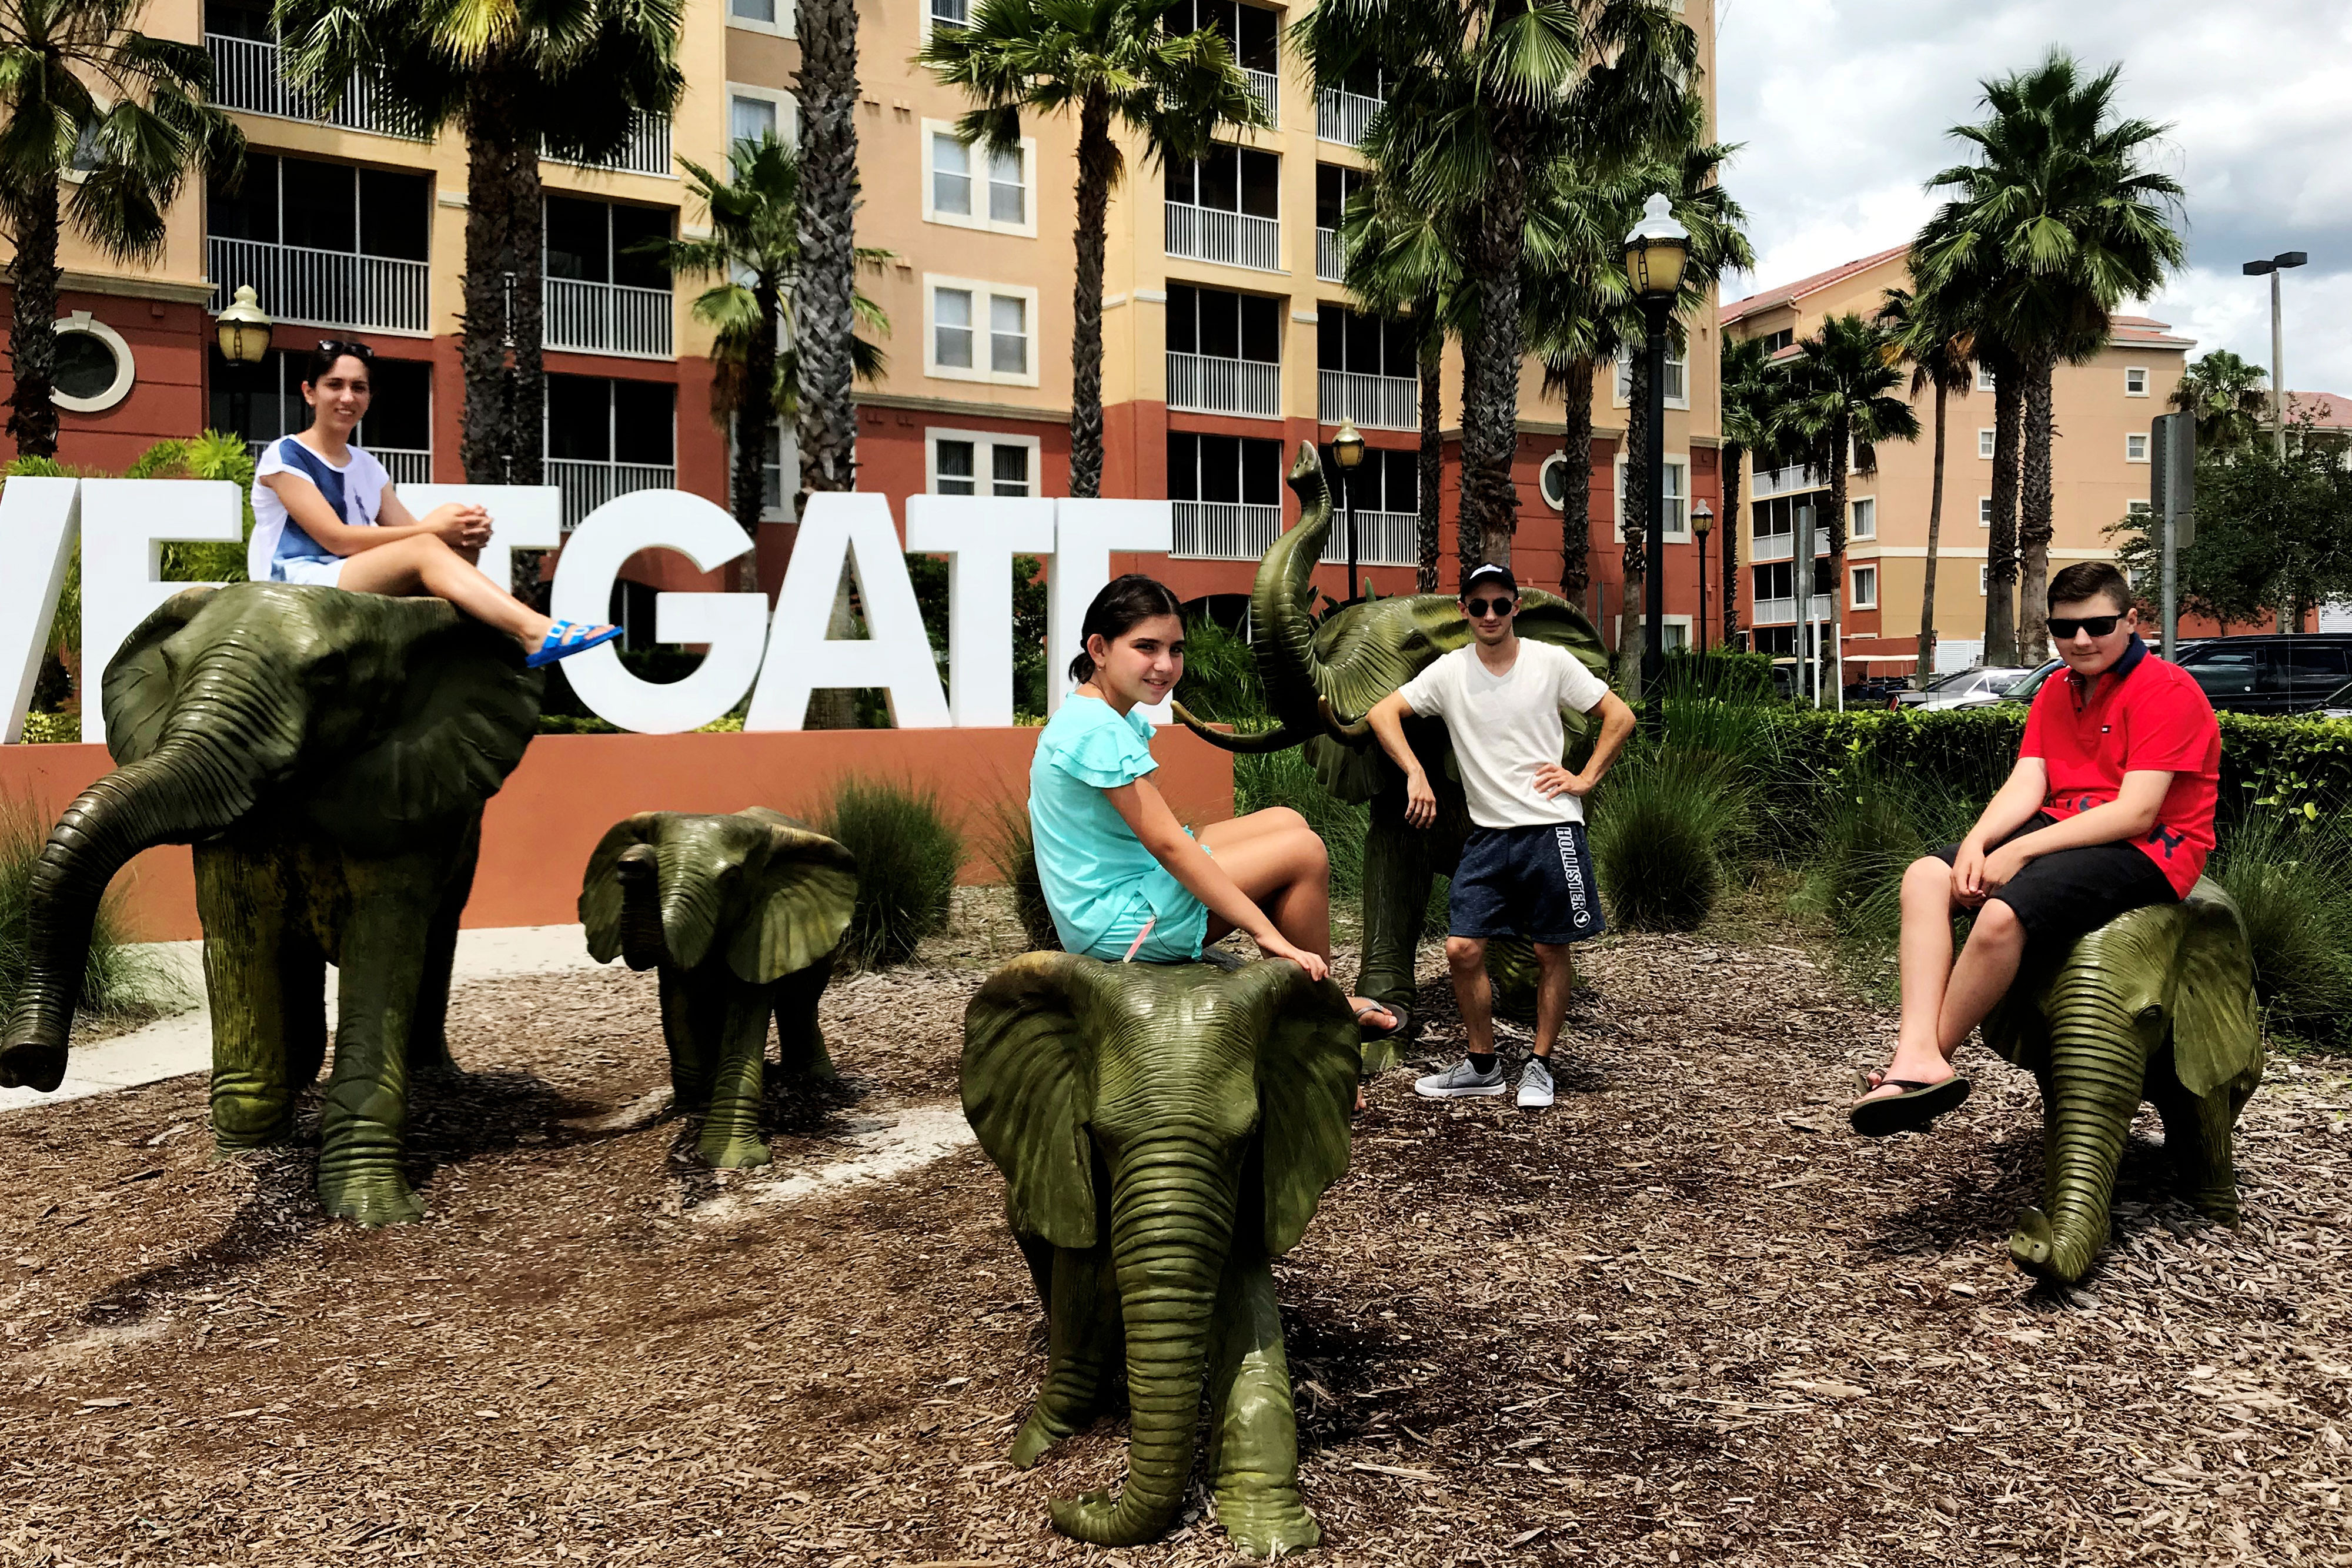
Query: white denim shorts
317, 573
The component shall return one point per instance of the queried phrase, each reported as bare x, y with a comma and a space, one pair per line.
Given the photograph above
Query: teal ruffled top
1090, 864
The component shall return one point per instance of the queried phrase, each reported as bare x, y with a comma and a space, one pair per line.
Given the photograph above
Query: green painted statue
1321, 678
328, 755
1164, 1130
740, 914
2156, 1005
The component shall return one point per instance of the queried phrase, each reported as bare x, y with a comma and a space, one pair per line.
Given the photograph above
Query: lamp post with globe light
1655, 253
1703, 524
243, 329
1348, 450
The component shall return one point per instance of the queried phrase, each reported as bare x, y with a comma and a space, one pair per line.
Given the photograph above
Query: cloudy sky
1842, 106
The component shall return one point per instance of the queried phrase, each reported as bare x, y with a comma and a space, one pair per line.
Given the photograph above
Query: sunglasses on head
2096, 625
1481, 607
335, 348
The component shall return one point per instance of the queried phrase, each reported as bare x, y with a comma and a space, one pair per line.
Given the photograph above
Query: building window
598, 242
2135, 448
1678, 376
2135, 380
1775, 341
960, 312
1984, 511
761, 15
2139, 508
314, 205
1984, 376
1865, 587
1985, 441
1225, 207
946, 14
753, 112
1984, 580
1247, 31
1223, 326
1552, 480
1363, 345
593, 419
1677, 498
264, 401
94, 366
1865, 525
970, 186
980, 463
1225, 468
1778, 518
1387, 480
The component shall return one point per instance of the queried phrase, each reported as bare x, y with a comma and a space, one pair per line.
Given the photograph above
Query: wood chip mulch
1682, 1317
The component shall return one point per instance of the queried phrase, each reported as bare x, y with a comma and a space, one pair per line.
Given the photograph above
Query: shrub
1720, 674
1014, 855
908, 857
1661, 833
1872, 829
2291, 877
1288, 778
1220, 684
118, 980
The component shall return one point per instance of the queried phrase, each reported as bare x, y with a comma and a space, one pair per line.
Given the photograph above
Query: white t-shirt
355, 491
1506, 726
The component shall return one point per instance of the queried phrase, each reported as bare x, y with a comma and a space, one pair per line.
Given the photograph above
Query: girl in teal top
1124, 879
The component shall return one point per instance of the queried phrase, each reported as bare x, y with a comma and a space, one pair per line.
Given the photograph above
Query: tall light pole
1654, 254
2272, 269
1703, 524
1347, 451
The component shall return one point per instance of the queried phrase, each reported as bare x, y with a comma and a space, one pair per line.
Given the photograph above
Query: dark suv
2293, 673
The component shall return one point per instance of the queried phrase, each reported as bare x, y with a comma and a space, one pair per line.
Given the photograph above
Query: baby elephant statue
1163, 1132
740, 914
2156, 1005
328, 755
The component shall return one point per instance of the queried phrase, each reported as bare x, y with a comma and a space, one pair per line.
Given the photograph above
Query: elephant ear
142, 682
1307, 1062
2216, 1037
1028, 1093
808, 892
1548, 618
600, 890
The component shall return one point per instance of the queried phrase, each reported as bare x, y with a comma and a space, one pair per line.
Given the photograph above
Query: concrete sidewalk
182, 1043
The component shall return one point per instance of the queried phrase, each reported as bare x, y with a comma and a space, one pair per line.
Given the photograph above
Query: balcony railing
1386, 538
647, 153
1330, 257
1380, 402
609, 319
1208, 383
1225, 530
1784, 612
1268, 88
1783, 546
588, 485
405, 467
320, 288
1342, 116
247, 75
1770, 482
1210, 233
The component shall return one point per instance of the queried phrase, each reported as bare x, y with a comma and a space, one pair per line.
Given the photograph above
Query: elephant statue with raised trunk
1164, 1131
1321, 678
2156, 1005
328, 755
740, 914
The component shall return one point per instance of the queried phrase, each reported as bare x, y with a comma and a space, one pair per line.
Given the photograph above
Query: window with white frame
2139, 508
756, 112
969, 185
979, 332
1984, 511
1984, 376
1865, 587
980, 462
1677, 375
1674, 633
946, 14
1677, 498
1985, 440
1984, 580
1865, 525
2135, 448
2135, 380
761, 15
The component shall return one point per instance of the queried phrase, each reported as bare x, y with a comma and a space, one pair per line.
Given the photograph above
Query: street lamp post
1654, 254
243, 329
1703, 524
1348, 450
2272, 269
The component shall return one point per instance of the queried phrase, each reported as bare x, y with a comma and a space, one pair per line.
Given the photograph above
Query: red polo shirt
2144, 715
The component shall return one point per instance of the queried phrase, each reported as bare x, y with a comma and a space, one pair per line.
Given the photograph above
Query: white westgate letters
37, 517
125, 523
980, 542
1087, 532
894, 655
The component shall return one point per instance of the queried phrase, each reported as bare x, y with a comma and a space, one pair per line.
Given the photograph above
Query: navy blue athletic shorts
1535, 882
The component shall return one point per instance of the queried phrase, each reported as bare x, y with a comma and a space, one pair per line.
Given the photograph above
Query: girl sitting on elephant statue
1124, 879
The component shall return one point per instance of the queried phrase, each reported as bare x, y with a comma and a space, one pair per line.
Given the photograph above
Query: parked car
2296, 672
2023, 691
1876, 691
1964, 688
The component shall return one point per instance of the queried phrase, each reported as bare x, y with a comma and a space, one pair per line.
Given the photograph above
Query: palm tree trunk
2001, 548
1927, 664
2034, 523
1734, 458
527, 232
1430, 464
1097, 162
485, 435
755, 416
1633, 521
1490, 402
1832, 669
827, 423
1469, 545
32, 332
1576, 485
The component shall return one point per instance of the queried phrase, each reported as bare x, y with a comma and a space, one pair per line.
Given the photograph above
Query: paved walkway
182, 1043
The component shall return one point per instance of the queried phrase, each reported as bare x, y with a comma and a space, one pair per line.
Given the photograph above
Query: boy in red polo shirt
2109, 809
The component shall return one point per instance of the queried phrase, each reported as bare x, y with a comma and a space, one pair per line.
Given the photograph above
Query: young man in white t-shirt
1524, 869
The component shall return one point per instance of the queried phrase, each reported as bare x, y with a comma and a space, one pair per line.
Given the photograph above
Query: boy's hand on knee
1967, 873
2001, 868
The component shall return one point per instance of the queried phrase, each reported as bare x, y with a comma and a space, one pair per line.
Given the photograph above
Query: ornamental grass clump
2291, 877
907, 856
1220, 684
1873, 826
1014, 855
1665, 832
1287, 778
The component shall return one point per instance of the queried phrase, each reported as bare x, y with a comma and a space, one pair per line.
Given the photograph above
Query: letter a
894, 655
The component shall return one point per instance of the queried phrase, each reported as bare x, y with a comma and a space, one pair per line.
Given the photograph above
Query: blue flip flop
566, 638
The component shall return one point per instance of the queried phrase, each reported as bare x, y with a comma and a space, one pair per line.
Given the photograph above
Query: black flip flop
1365, 1031
1918, 1105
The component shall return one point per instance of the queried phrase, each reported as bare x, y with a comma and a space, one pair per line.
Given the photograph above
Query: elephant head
663, 887
2157, 1004
368, 720
1185, 1121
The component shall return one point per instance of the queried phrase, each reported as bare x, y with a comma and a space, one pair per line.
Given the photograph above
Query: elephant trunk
1173, 1206
639, 873
1296, 682
2097, 1066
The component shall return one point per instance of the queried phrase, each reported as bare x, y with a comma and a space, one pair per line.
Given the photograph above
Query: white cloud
1844, 105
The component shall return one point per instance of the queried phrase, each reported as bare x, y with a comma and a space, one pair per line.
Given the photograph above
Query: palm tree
2230, 398
1482, 97
522, 80
1842, 380
826, 420
1111, 64
2061, 216
1924, 331
1755, 398
80, 90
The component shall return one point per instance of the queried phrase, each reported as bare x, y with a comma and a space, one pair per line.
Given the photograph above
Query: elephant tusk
1277, 739
1340, 729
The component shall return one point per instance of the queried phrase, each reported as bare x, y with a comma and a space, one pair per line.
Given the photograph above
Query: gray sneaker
1535, 1086
1461, 1082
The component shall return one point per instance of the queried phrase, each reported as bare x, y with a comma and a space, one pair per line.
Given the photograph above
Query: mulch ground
1684, 1317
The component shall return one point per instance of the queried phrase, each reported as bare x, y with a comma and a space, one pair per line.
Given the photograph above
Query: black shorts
2072, 893
1535, 882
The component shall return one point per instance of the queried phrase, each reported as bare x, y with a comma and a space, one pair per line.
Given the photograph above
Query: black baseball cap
1493, 574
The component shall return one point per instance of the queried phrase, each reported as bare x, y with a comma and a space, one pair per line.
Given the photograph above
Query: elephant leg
382, 949
428, 1045
800, 1038
1253, 1454
2198, 1140
1396, 909
1085, 1354
730, 1119
266, 981
690, 1037
1515, 977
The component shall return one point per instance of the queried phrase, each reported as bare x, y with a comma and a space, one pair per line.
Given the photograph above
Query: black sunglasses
2096, 625
335, 348
1479, 607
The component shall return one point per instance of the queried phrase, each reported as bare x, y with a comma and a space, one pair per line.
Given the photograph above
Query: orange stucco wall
539, 831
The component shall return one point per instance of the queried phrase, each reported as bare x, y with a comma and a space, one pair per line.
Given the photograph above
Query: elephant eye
2151, 1013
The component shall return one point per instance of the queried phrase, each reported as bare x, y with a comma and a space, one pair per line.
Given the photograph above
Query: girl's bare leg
1278, 860
425, 563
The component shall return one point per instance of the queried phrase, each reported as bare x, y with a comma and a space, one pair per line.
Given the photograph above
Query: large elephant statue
1321, 678
328, 755
740, 914
1164, 1130
2156, 1005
